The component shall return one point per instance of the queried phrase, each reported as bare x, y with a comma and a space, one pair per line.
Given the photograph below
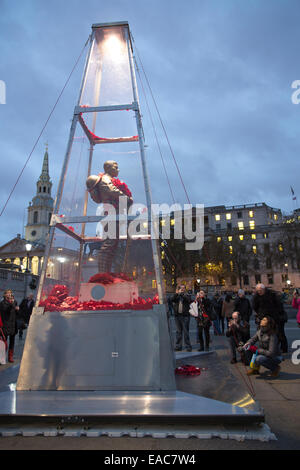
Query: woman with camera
268, 350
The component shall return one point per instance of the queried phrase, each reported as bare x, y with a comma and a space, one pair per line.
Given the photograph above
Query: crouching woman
268, 351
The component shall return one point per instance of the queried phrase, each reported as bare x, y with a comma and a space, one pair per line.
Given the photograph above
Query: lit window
253, 236
241, 225
219, 239
228, 216
266, 235
231, 265
280, 247
230, 249
163, 222
241, 237
172, 221
275, 216
252, 224
230, 238
163, 255
217, 217
153, 284
251, 214
254, 249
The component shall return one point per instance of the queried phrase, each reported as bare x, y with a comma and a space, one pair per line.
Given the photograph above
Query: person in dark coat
238, 334
217, 303
243, 306
8, 312
25, 312
267, 303
204, 318
181, 304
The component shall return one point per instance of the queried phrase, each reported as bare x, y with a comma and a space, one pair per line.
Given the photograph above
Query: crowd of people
229, 315
14, 319
268, 343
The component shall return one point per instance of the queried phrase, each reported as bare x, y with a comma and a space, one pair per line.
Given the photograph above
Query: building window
266, 235
219, 239
230, 238
254, 249
241, 225
44, 189
251, 214
256, 264
253, 236
217, 217
252, 224
239, 215
275, 217
231, 265
33, 233
241, 237
40, 189
229, 226
257, 278
228, 216
233, 281
246, 280
270, 279
218, 226
35, 217
280, 247
284, 277
230, 249
267, 248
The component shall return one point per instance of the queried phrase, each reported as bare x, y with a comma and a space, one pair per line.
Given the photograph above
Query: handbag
3, 348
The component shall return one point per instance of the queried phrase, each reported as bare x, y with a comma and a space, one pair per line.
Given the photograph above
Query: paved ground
279, 397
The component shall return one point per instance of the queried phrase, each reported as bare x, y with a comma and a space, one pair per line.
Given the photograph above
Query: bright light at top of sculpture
114, 46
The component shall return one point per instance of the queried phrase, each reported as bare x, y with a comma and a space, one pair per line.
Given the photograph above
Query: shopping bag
252, 362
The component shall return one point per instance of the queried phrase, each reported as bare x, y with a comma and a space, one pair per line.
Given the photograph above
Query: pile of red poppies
59, 301
109, 278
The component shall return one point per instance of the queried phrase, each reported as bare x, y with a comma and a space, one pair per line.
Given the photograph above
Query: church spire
45, 178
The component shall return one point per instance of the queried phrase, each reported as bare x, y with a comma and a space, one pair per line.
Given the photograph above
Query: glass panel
93, 264
108, 79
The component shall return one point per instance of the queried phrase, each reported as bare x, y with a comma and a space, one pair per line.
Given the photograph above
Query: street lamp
28, 247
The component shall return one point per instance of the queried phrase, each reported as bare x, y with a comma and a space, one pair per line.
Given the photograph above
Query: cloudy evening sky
221, 73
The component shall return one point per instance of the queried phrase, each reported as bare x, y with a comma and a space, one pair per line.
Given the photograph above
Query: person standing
217, 307
227, 308
25, 312
201, 309
8, 312
296, 304
181, 302
267, 303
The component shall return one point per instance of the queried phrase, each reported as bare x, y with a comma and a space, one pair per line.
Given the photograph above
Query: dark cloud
221, 74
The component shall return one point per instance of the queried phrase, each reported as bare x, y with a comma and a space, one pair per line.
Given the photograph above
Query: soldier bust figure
106, 189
